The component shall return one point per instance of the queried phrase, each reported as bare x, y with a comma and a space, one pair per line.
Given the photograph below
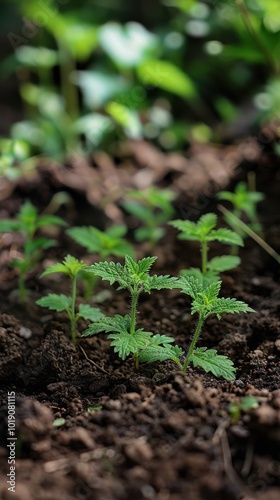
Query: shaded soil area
155, 433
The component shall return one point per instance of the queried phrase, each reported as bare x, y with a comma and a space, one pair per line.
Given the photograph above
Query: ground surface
156, 433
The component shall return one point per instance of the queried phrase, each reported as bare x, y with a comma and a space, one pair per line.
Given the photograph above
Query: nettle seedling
28, 221
246, 404
105, 244
125, 337
204, 231
205, 302
245, 202
153, 208
60, 302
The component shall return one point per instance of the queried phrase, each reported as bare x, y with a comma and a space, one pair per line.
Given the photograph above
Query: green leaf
223, 263
108, 324
69, 266
10, 225
232, 306
210, 361
137, 210
160, 282
206, 223
127, 118
144, 265
249, 403
160, 353
187, 228
28, 212
211, 292
166, 76
205, 279
87, 236
55, 268
149, 233
111, 272
90, 313
190, 285
225, 236
50, 220
159, 349
124, 343
55, 302
117, 231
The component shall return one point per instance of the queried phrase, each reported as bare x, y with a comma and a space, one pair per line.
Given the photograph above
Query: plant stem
69, 89
73, 309
255, 36
193, 343
204, 256
135, 295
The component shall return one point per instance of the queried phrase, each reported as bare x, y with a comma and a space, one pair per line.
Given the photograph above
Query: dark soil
155, 433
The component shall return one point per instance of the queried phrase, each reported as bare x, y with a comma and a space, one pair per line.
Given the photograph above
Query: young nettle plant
105, 244
205, 301
28, 221
205, 231
60, 302
126, 337
153, 208
245, 202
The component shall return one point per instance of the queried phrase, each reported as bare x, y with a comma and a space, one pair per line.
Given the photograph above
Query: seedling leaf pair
152, 207
104, 243
71, 267
28, 221
204, 231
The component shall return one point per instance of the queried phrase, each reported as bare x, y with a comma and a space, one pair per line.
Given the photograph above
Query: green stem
193, 343
204, 256
73, 317
69, 89
90, 283
255, 36
135, 295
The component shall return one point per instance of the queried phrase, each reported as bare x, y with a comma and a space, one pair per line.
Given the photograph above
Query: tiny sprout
58, 422
244, 405
126, 338
245, 202
71, 267
204, 231
153, 208
28, 221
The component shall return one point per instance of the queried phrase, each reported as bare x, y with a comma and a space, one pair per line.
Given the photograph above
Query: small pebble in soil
277, 344
25, 332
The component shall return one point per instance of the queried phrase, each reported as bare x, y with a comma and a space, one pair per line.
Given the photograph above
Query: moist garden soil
155, 433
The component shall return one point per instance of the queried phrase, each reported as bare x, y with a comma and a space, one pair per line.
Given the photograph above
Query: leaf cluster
71, 267
103, 243
152, 207
243, 200
133, 276
204, 230
28, 220
205, 300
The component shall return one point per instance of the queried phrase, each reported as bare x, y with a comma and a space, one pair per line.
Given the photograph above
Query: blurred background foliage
83, 75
